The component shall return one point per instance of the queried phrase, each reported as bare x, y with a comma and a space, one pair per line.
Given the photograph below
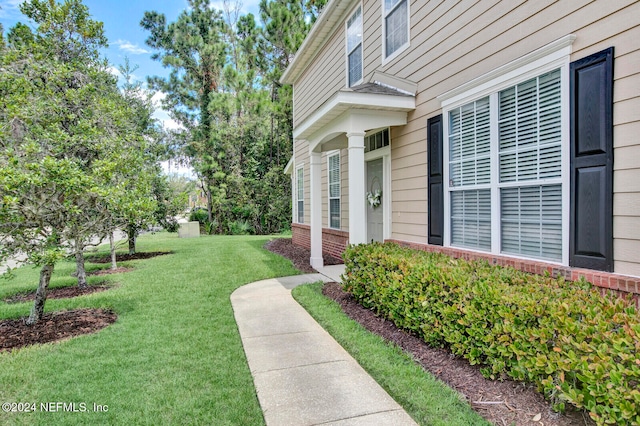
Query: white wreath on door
375, 193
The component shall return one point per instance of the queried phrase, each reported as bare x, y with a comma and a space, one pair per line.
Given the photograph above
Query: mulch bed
125, 257
298, 255
501, 402
59, 293
52, 327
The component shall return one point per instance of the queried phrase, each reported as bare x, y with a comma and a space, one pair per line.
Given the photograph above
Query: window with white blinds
334, 191
470, 144
506, 149
396, 25
300, 194
354, 47
471, 218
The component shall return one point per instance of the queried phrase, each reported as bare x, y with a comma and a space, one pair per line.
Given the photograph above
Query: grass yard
173, 357
427, 400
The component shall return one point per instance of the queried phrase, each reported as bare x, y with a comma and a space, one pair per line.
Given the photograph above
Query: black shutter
591, 106
435, 195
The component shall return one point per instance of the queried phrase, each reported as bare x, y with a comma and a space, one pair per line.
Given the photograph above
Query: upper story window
354, 47
396, 25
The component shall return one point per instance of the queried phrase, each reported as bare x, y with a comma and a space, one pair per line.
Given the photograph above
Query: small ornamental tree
60, 116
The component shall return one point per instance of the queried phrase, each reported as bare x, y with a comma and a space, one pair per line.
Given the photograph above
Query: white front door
375, 215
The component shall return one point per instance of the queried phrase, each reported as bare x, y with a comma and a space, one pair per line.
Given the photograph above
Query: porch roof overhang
350, 111
288, 169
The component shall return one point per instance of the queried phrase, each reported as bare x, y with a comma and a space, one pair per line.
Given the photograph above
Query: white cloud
114, 71
127, 46
167, 122
158, 97
246, 6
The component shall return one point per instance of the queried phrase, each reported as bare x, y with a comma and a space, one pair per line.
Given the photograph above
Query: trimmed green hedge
574, 344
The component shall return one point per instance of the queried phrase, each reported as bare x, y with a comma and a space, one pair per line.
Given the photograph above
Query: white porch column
357, 212
315, 160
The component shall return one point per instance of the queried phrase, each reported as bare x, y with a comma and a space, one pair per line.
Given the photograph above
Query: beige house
505, 130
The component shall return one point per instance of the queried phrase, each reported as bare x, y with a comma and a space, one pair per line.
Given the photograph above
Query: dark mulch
52, 327
125, 257
501, 402
298, 255
59, 293
110, 271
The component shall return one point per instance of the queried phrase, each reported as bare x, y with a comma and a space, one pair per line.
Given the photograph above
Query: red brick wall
620, 284
301, 235
334, 242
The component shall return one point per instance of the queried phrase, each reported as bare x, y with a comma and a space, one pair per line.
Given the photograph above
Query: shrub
198, 214
240, 227
576, 345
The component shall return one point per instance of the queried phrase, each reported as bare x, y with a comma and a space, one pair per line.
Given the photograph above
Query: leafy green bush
576, 345
240, 227
199, 214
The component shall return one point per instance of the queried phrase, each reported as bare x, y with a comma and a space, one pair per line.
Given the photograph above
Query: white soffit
332, 16
343, 101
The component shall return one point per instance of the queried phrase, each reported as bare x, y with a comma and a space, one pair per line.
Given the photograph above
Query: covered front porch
342, 123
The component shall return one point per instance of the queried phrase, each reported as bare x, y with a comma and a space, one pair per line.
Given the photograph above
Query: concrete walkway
301, 374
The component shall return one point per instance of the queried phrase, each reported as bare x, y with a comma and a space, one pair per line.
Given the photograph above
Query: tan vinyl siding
446, 53
325, 76
453, 42
372, 53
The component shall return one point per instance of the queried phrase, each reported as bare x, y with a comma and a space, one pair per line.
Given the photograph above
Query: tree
59, 130
237, 132
193, 48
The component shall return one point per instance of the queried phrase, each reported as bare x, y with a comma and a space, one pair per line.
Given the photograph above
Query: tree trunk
209, 203
131, 235
41, 295
82, 274
112, 247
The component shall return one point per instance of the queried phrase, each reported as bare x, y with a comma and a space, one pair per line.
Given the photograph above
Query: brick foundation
619, 284
301, 235
334, 241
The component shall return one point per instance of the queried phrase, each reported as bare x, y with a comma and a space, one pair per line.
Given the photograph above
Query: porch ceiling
354, 111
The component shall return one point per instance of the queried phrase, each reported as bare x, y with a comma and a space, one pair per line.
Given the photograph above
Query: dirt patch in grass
125, 257
298, 255
501, 402
53, 327
110, 271
59, 293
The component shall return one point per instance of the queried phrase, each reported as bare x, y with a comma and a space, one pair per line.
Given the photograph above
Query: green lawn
173, 357
427, 400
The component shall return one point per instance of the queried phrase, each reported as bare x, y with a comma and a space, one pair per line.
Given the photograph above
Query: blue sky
121, 20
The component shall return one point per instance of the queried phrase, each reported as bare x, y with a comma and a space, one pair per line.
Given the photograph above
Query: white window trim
346, 45
556, 55
386, 59
295, 196
331, 154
